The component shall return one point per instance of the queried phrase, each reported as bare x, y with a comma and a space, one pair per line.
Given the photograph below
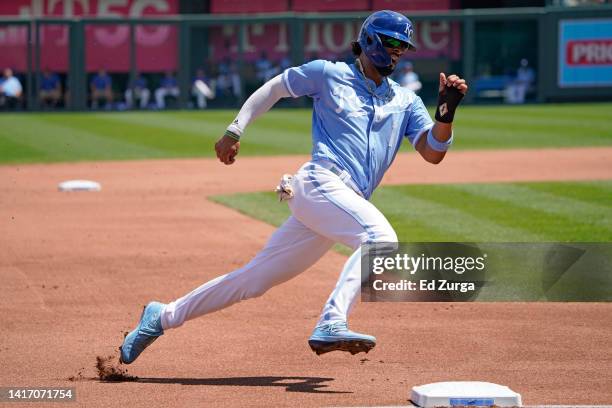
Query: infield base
464, 393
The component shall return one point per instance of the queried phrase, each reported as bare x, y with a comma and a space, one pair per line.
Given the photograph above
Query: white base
79, 185
453, 393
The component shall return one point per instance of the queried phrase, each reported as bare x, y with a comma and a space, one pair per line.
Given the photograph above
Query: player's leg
160, 97
200, 98
129, 101
175, 92
326, 205
292, 249
145, 95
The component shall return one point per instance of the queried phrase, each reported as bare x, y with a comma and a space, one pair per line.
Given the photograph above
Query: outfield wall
569, 48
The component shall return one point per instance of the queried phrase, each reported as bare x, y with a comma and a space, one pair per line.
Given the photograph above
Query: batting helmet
385, 22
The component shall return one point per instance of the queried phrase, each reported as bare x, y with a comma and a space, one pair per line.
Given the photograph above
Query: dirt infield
76, 268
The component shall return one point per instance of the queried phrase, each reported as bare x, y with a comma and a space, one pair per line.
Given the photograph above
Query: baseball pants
324, 210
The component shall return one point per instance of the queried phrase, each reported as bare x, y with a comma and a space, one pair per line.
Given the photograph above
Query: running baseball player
360, 119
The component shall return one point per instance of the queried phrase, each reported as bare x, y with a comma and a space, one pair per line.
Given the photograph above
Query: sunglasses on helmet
390, 42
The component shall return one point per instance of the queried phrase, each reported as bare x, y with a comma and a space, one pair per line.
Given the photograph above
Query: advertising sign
585, 53
107, 46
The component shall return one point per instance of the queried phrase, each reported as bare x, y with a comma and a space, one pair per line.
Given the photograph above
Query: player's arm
257, 104
432, 145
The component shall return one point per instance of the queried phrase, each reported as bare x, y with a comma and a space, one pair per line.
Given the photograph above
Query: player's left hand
452, 81
451, 91
227, 149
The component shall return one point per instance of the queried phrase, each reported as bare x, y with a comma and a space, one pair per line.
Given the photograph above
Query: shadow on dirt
291, 384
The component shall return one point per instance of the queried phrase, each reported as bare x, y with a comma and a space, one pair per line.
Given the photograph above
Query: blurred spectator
50, 91
409, 79
138, 91
235, 81
10, 90
264, 70
168, 87
285, 63
517, 89
202, 88
101, 90
228, 85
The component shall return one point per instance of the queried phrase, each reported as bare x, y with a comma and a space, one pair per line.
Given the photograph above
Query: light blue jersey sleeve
419, 121
306, 79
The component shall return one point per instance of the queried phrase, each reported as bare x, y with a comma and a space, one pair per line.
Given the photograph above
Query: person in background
409, 79
11, 90
50, 92
517, 90
264, 70
138, 91
101, 89
202, 88
228, 85
235, 81
167, 87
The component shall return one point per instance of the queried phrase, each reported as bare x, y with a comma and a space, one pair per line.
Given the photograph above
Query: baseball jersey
11, 87
357, 129
100, 82
169, 82
49, 83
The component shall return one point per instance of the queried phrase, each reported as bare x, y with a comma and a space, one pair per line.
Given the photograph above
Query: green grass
53, 137
516, 212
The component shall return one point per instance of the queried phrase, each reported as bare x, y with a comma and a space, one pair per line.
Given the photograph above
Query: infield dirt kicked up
76, 269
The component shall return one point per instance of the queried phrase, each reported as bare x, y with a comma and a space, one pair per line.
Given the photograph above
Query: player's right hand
227, 149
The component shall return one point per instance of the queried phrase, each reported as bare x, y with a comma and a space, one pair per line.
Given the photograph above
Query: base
475, 393
79, 185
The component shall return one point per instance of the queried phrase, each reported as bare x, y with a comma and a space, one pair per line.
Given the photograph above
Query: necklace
388, 95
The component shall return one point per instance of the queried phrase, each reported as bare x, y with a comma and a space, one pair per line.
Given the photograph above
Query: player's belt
342, 174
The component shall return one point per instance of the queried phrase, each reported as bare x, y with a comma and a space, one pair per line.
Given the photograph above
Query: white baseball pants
324, 210
161, 93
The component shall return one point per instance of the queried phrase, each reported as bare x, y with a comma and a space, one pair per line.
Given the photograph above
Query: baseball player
359, 121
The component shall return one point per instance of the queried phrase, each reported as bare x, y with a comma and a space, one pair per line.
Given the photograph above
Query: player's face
394, 47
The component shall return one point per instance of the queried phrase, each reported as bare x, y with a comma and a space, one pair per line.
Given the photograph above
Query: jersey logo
347, 101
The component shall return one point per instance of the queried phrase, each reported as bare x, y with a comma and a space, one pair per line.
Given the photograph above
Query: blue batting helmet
385, 22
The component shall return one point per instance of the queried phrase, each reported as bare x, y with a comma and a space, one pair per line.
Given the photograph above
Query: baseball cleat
337, 336
148, 330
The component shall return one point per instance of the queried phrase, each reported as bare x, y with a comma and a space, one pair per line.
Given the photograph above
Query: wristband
437, 145
233, 135
448, 100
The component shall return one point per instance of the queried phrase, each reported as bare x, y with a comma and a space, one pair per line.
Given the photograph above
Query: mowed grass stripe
421, 215
274, 212
17, 151
477, 213
533, 125
597, 192
592, 214
279, 132
486, 207
268, 135
57, 141
175, 143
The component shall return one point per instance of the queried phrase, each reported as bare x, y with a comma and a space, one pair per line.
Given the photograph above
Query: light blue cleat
337, 336
148, 330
